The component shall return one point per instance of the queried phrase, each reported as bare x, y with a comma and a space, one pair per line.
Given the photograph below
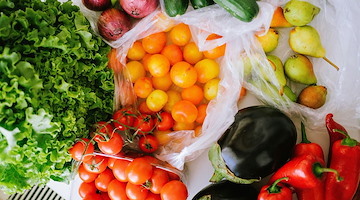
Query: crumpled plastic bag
336, 26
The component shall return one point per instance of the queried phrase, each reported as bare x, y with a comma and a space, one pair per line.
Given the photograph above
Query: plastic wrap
336, 26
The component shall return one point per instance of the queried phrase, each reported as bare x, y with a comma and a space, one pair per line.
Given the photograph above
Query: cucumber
201, 3
175, 7
244, 10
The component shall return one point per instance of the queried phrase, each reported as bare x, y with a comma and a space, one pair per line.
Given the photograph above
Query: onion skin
97, 5
113, 24
139, 8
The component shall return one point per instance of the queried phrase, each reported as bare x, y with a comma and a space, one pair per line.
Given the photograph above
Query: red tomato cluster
120, 179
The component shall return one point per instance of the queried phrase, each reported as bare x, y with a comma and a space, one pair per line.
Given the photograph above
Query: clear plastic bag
336, 26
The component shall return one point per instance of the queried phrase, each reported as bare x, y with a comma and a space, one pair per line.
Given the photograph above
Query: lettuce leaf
54, 84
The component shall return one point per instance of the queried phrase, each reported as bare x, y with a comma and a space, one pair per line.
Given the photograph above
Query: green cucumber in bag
244, 10
175, 7
196, 4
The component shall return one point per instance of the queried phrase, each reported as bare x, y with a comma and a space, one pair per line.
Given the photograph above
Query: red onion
113, 24
139, 8
97, 5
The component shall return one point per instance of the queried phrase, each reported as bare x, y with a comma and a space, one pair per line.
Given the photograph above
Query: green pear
313, 96
289, 93
269, 41
306, 40
279, 70
300, 13
299, 68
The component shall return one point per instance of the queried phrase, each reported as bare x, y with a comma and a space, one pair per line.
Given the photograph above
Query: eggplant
260, 140
226, 190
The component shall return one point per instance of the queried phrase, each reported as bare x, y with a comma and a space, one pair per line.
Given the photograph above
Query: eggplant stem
220, 169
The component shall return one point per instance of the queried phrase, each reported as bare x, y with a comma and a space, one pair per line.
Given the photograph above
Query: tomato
119, 168
144, 109
184, 111
154, 43
94, 196
136, 192
174, 190
217, 51
117, 190
206, 70
194, 94
103, 180
180, 34
198, 130
105, 196
173, 176
139, 171
148, 144
173, 97
164, 121
86, 176
201, 113
96, 164
87, 188
136, 51
123, 119
103, 127
152, 196
192, 54
173, 53
111, 162
156, 100
143, 87
112, 145
162, 83
158, 65
82, 150
144, 123
211, 89
179, 126
158, 180
163, 137
183, 74
134, 70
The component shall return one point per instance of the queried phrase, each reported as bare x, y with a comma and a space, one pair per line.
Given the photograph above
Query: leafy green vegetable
54, 84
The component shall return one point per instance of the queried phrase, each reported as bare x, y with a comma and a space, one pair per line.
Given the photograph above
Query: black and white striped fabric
37, 193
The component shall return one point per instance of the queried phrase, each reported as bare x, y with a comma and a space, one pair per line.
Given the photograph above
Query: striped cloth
37, 193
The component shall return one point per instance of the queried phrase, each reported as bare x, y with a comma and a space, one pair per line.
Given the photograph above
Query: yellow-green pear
300, 13
289, 93
279, 70
299, 68
313, 96
269, 41
306, 40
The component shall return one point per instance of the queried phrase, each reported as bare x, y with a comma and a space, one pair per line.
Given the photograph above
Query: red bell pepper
332, 126
275, 191
304, 172
346, 160
306, 147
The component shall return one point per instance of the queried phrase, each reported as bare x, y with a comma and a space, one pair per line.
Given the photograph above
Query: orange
158, 65
143, 87
180, 34
194, 94
192, 54
206, 70
201, 113
217, 51
154, 43
183, 74
136, 52
184, 111
134, 70
145, 61
173, 53
163, 82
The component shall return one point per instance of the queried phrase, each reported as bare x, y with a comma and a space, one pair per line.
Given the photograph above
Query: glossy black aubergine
259, 142
226, 190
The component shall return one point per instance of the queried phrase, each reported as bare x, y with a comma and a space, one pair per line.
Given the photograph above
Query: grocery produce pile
54, 85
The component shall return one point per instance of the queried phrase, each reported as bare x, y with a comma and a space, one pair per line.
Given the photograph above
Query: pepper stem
274, 188
347, 141
303, 134
319, 170
221, 171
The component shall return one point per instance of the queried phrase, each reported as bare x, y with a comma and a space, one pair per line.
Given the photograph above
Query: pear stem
331, 63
